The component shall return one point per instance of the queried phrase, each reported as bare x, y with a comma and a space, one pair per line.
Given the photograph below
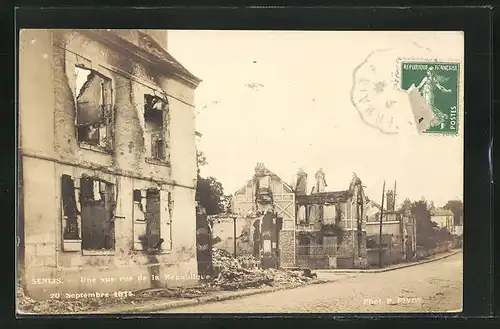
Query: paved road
429, 287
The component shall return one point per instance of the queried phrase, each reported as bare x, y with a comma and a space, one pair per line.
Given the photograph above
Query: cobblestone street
429, 287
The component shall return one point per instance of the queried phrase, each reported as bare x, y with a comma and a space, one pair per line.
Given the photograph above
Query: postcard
186, 171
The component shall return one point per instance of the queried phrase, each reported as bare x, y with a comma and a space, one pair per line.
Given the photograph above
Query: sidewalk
394, 267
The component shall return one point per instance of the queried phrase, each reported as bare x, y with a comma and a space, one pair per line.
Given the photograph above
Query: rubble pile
172, 292
229, 274
244, 272
25, 304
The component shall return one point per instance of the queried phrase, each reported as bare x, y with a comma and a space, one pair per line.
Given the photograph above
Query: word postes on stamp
433, 89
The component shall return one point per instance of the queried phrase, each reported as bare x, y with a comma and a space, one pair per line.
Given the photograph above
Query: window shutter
138, 219
160, 149
165, 221
76, 182
70, 211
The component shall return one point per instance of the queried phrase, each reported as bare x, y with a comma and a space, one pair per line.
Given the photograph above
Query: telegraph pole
234, 235
380, 235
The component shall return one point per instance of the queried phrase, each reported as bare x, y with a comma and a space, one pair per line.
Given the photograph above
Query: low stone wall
390, 256
318, 262
439, 249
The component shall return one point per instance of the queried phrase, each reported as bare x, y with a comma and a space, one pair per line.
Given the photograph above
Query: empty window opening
97, 208
304, 245
154, 130
93, 107
88, 212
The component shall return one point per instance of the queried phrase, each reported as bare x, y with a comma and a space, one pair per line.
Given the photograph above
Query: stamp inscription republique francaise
437, 83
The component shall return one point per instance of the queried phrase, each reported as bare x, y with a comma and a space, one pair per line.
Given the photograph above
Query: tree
210, 194
201, 160
227, 203
426, 229
457, 208
209, 191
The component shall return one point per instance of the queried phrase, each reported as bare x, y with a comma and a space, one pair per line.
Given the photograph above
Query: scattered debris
27, 305
244, 272
308, 273
229, 274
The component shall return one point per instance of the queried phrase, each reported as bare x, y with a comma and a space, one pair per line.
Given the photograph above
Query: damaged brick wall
348, 249
50, 148
287, 248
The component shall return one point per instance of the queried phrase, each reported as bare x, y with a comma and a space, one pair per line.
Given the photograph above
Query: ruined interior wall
129, 155
128, 94
224, 229
373, 228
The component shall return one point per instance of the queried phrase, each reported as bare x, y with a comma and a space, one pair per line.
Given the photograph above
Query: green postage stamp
433, 88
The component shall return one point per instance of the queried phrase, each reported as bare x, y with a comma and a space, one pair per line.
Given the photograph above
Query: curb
397, 267
167, 305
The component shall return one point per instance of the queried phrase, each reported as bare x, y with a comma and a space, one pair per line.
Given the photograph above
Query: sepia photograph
240, 171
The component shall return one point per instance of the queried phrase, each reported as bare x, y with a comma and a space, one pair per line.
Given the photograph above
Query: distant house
396, 224
443, 218
282, 195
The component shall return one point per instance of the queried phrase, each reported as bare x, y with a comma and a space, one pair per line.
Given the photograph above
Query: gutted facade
319, 229
107, 162
272, 200
331, 226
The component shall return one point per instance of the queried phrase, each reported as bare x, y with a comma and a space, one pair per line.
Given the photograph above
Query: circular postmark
376, 91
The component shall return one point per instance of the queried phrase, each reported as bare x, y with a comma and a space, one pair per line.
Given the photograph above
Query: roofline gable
173, 67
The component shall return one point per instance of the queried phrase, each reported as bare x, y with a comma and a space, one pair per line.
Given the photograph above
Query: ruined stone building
320, 229
107, 161
331, 226
273, 201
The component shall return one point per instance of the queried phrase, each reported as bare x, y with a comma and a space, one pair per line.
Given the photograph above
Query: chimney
320, 181
160, 36
390, 201
260, 169
301, 187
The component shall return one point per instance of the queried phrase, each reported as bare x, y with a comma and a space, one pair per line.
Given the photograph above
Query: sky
299, 112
